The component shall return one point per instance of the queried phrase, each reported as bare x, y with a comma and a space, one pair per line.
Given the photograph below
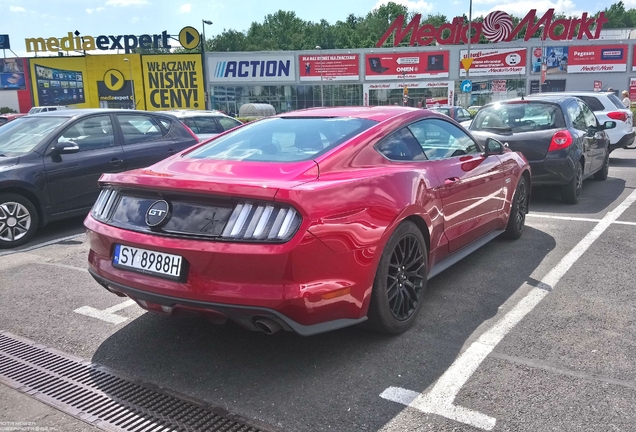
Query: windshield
283, 139
518, 117
22, 135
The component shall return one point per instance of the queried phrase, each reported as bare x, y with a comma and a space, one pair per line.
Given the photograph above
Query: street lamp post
132, 83
205, 80
322, 94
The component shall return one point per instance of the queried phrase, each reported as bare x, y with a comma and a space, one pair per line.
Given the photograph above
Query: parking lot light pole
132, 83
322, 94
205, 80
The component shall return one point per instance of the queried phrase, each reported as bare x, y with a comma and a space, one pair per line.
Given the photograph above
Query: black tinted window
401, 146
518, 117
593, 103
90, 134
285, 139
203, 125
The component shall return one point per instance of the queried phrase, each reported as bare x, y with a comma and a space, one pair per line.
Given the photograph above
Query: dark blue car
559, 136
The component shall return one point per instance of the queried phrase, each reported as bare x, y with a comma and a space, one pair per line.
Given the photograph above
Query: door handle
451, 180
116, 162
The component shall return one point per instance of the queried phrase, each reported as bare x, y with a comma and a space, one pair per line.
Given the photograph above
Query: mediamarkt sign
497, 27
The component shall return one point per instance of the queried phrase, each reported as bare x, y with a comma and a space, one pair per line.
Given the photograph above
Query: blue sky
54, 18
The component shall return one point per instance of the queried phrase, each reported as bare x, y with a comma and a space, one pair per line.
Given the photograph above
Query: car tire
571, 192
18, 220
602, 174
518, 210
400, 281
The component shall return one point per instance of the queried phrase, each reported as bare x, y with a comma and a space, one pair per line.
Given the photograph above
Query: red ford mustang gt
309, 221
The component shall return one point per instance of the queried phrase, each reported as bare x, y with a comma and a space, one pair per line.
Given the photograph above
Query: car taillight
560, 140
105, 204
617, 115
262, 222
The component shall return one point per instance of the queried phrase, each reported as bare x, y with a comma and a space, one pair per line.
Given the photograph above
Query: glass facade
285, 98
490, 90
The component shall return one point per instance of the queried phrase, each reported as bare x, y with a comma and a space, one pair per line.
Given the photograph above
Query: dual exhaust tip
266, 325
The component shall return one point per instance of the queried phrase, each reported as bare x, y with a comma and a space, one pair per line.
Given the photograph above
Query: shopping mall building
576, 54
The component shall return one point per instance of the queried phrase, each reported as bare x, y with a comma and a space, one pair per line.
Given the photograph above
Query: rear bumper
552, 171
625, 141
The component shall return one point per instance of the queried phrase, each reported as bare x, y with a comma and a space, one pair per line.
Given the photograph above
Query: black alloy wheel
603, 173
571, 192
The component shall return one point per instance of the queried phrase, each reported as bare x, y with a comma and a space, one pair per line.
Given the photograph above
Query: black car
50, 162
560, 137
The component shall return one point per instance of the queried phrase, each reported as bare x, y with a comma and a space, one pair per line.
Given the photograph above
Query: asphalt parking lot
528, 335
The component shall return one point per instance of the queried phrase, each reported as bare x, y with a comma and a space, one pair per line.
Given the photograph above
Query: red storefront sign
632, 89
633, 62
597, 58
411, 65
598, 85
488, 62
497, 26
332, 67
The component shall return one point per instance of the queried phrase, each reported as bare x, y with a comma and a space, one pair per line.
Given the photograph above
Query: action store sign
597, 58
489, 62
329, 67
410, 65
236, 68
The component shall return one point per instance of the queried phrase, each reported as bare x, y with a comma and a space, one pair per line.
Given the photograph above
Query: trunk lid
533, 145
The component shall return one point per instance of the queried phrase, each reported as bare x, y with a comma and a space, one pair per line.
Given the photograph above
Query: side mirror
65, 147
609, 125
493, 147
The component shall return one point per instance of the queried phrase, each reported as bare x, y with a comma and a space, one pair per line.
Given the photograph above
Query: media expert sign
488, 62
497, 27
597, 58
409, 65
173, 81
251, 68
77, 42
329, 67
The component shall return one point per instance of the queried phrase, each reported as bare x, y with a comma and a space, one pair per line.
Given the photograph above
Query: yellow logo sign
467, 62
189, 38
114, 80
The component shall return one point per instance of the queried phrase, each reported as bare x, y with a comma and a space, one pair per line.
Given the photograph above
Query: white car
205, 124
606, 107
41, 109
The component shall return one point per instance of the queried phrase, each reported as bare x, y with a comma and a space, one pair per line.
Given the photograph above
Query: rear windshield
22, 135
593, 103
518, 117
282, 139
616, 101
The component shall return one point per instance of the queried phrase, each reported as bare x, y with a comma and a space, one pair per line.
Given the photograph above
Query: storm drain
95, 395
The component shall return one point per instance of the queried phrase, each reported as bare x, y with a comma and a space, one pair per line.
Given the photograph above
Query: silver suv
606, 107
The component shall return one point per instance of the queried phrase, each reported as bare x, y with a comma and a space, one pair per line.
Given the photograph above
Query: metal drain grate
95, 395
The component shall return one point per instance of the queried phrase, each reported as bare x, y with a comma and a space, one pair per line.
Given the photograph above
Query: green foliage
7, 110
472, 113
247, 119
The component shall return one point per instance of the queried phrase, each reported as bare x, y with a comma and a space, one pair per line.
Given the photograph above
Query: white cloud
17, 9
185, 8
99, 9
521, 8
413, 6
126, 2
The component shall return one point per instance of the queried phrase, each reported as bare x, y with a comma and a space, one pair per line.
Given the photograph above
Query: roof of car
570, 93
193, 113
544, 97
377, 113
80, 112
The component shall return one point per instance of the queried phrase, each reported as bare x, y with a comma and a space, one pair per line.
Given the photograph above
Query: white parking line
576, 219
440, 398
107, 315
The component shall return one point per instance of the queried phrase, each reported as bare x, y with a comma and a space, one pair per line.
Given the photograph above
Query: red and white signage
633, 62
411, 65
597, 58
498, 86
489, 62
598, 85
632, 89
329, 67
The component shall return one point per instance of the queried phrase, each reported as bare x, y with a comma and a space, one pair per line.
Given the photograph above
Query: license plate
146, 261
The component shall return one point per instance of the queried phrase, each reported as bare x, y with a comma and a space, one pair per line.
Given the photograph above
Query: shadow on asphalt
596, 197
622, 162
330, 381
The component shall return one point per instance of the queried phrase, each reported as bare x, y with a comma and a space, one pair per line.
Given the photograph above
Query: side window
441, 139
401, 146
139, 128
167, 124
206, 125
588, 115
91, 133
466, 114
576, 114
228, 123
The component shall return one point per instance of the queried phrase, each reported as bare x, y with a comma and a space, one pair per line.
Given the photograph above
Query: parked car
50, 162
288, 222
42, 109
559, 135
6, 118
205, 124
606, 107
457, 113
474, 108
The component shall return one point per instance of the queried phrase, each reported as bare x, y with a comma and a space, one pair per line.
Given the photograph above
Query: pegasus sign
497, 27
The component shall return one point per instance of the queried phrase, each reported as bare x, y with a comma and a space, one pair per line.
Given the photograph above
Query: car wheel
400, 281
571, 192
18, 220
518, 211
604, 171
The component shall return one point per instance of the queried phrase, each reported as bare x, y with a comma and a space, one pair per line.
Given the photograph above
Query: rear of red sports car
280, 224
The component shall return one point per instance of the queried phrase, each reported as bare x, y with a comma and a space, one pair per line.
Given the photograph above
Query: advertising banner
498, 86
634, 60
411, 65
489, 62
12, 74
59, 81
329, 67
555, 59
173, 81
4, 41
597, 58
236, 68
112, 79
632, 89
